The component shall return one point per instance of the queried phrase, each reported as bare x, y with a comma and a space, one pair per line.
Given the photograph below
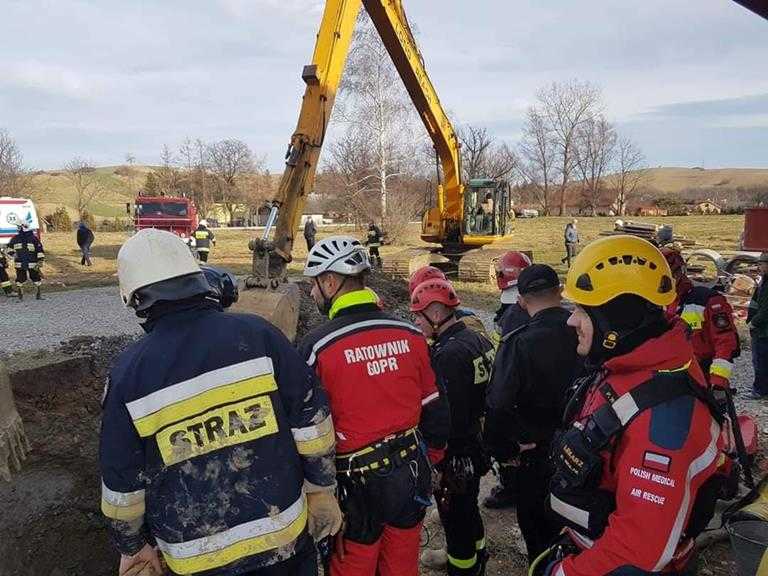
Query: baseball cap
537, 277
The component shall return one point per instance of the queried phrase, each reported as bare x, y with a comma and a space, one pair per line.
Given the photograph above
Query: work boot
434, 559
38, 295
20, 293
500, 498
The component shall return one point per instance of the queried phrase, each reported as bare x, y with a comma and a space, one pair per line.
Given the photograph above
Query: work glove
145, 562
325, 516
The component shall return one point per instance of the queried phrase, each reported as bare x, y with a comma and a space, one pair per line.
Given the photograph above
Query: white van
14, 211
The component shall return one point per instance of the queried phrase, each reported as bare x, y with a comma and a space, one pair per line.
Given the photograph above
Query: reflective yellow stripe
315, 440
5, 284
234, 392
683, 367
693, 315
354, 298
480, 544
122, 505
721, 368
238, 542
124, 513
462, 564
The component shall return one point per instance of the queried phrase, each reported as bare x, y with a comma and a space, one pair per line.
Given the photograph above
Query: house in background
708, 207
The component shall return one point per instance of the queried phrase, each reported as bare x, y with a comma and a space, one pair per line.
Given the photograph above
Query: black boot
20, 293
38, 295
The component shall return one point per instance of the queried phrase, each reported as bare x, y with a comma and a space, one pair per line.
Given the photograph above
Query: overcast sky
687, 79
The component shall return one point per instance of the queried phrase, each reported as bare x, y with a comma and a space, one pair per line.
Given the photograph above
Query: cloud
52, 79
755, 104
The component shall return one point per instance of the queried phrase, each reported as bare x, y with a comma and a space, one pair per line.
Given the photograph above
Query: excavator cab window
486, 203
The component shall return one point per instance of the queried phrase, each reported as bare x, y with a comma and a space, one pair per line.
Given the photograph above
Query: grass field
543, 236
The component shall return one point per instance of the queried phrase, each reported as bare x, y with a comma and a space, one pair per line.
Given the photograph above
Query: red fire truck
177, 215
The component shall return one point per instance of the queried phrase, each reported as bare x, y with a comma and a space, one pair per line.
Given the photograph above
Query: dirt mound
393, 294
51, 522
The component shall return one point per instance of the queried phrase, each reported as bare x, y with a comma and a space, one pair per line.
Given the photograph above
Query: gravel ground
43, 324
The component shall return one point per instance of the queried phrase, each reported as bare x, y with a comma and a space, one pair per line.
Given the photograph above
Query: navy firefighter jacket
206, 443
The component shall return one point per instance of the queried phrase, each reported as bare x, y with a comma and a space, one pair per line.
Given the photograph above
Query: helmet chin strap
328, 300
439, 324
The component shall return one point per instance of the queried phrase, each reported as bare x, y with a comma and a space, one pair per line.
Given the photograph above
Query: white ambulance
14, 211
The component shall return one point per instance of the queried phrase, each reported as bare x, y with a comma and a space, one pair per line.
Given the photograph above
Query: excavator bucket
14, 445
280, 306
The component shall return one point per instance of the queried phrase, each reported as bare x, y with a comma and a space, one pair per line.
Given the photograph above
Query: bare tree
565, 107
166, 175
483, 157
229, 162
379, 116
630, 172
537, 150
594, 152
83, 178
14, 180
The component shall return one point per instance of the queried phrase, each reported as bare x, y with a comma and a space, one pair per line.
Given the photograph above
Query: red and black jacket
377, 373
715, 340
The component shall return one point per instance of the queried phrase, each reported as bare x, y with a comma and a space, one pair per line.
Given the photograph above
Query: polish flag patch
655, 461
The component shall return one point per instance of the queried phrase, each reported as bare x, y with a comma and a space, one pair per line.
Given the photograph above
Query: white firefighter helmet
149, 257
203, 222
341, 254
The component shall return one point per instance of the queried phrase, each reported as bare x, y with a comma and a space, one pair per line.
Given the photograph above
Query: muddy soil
50, 522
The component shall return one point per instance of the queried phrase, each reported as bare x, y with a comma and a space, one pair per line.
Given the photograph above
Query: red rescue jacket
655, 468
713, 334
376, 370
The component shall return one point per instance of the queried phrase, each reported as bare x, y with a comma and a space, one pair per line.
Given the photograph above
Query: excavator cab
487, 211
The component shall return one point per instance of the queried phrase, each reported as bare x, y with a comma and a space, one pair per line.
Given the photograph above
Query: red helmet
431, 291
422, 275
674, 259
508, 268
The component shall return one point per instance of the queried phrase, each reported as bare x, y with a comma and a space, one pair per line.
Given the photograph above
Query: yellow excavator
466, 217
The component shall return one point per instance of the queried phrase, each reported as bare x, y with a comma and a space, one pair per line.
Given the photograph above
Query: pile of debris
655, 233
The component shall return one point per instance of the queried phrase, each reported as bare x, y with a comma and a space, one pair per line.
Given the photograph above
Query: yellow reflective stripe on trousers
122, 505
238, 542
480, 544
462, 564
721, 368
315, 440
693, 315
204, 401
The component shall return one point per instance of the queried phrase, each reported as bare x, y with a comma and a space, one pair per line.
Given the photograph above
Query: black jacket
309, 228
462, 360
84, 236
534, 368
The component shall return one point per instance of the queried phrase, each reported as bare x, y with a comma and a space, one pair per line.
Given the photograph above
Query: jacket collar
344, 303
670, 351
450, 332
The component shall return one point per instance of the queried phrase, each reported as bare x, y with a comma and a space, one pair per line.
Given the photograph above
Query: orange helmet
508, 268
431, 291
422, 275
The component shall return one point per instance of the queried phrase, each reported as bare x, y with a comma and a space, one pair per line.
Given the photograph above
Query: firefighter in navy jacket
462, 360
710, 318
217, 451
637, 472
28, 257
390, 417
203, 240
5, 281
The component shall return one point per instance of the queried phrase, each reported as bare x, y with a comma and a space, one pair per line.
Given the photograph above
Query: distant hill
51, 189
675, 180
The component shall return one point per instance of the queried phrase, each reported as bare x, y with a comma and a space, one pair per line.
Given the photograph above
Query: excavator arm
322, 78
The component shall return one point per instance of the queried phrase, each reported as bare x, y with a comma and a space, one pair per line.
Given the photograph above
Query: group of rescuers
225, 450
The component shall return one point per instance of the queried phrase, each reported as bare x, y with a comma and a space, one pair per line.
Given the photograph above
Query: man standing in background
571, 241
310, 231
85, 241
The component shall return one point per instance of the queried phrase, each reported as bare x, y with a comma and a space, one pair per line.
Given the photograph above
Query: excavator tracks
479, 265
403, 264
